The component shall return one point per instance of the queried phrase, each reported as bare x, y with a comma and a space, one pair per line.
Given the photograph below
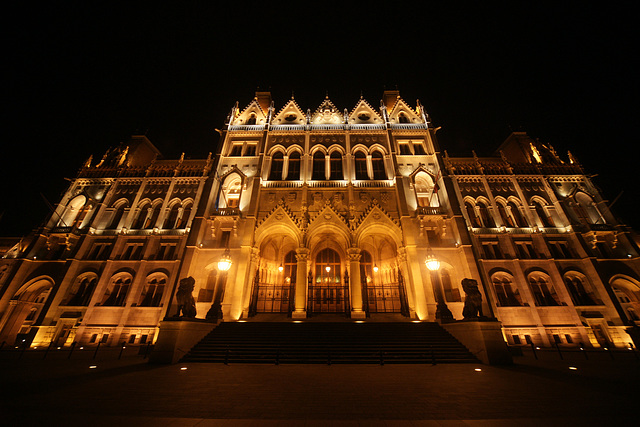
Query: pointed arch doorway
328, 288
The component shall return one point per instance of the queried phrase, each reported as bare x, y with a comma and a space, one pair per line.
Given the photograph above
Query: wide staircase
339, 342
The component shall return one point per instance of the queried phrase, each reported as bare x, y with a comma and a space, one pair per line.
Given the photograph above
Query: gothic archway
328, 290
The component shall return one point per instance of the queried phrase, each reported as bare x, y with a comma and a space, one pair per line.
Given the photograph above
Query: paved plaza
81, 390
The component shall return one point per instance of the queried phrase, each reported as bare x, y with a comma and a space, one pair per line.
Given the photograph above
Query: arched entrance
24, 311
273, 292
328, 289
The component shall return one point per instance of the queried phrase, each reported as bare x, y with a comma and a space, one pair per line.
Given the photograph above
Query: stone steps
331, 342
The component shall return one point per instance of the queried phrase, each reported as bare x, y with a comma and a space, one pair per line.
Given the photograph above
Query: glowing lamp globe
225, 262
432, 263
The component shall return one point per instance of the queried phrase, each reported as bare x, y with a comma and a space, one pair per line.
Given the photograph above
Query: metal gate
273, 298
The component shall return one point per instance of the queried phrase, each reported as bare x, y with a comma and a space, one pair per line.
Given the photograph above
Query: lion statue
473, 302
186, 302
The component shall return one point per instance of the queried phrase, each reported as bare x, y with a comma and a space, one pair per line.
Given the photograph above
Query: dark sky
81, 78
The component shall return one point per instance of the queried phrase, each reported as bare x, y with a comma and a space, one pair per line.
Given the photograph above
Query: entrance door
327, 292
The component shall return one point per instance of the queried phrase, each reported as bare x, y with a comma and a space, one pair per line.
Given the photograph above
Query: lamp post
224, 265
443, 314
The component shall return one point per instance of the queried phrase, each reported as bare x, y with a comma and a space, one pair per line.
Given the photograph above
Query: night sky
82, 78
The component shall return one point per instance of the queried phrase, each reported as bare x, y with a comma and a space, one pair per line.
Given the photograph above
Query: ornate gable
327, 113
277, 215
290, 114
374, 215
363, 112
327, 213
401, 112
251, 115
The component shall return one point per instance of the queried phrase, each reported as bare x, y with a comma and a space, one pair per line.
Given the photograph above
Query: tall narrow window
507, 221
546, 220
335, 162
236, 150
543, 292
377, 164
186, 213
251, 150
171, 218
152, 218
471, 213
117, 292
318, 167
361, 165
152, 296
487, 219
505, 293
277, 162
143, 214
519, 220
418, 147
405, 149
293, 173
578, 291
117, 216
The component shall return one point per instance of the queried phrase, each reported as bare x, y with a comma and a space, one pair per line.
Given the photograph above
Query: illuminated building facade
326, 212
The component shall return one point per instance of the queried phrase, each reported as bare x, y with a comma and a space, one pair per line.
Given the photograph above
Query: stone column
356, 285
302, 255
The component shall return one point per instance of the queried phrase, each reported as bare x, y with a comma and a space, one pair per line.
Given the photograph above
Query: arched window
251, 120
117, 215
545, 218
74, 212
543, 292
361, 166
152, 218
277, 163
579, 289
335, 162
507, 221
154, 289
318, 172
186, 213
81, 291
514, 210
485, 216
402, 118
143, 215
172, 217
424, 190
471, 213
117, 291
506, 292
587, 210
293, 172
377, 164
230, 192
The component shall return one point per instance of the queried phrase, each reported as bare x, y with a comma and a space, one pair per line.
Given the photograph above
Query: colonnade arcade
328, 274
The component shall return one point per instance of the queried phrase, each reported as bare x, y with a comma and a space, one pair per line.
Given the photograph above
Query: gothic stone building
323, 214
